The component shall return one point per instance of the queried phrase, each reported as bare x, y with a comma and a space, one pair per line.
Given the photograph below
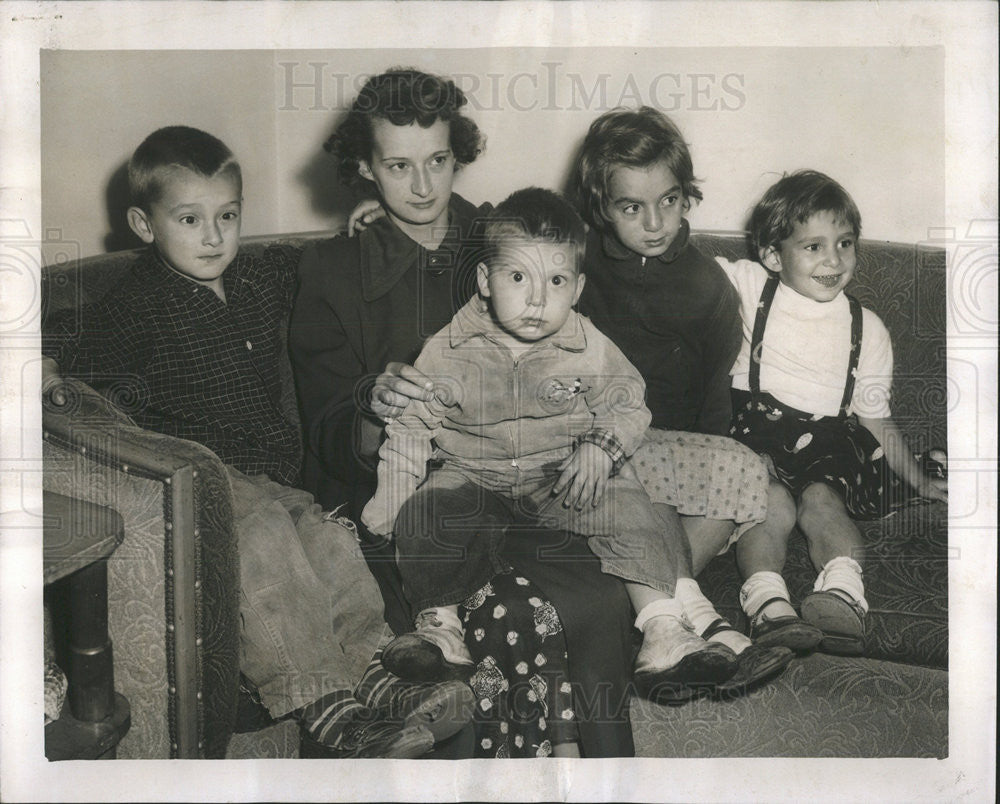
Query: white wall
871, 117
97, 106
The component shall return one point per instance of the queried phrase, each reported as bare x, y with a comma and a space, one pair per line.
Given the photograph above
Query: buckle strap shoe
840, 619
757, 664
787, 631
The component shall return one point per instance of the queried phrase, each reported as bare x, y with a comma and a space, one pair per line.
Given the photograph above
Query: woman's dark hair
793, 199
402, 96
632, 138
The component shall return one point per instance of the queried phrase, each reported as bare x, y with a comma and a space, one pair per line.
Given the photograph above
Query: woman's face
413, 169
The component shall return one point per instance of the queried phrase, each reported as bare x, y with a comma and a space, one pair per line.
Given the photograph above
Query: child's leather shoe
787, 631
674, 662
443, 708
841, 620
757, 664
433, 652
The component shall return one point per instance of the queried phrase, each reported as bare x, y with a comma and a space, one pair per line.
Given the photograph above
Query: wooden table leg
78, 538
91, 668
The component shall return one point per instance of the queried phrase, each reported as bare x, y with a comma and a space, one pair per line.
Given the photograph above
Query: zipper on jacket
517, 407
517, 413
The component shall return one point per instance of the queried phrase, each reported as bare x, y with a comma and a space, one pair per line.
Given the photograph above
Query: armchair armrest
174, 583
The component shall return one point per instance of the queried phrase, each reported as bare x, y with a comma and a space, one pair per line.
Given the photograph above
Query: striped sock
376, 686
381, 690
326, 718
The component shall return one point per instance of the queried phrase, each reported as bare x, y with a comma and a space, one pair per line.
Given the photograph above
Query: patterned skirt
524, 700
703, 475
806, 449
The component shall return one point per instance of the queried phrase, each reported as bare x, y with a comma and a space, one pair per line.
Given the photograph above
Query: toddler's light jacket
508, 420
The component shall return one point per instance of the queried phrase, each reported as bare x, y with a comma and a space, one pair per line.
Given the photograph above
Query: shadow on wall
116, 201
570, 184
328, 196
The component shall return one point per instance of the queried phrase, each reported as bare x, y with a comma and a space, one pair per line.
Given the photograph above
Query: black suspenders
757, 341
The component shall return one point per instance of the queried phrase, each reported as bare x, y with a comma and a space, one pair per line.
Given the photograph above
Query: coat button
437, 263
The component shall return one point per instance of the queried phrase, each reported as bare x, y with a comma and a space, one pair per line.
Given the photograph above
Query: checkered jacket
181, 362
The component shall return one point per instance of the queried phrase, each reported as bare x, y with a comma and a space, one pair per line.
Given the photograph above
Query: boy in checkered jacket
192, 336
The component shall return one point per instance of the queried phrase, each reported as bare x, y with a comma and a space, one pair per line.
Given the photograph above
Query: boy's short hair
795, 198
172, 147
633, 138
402, 96
536, 214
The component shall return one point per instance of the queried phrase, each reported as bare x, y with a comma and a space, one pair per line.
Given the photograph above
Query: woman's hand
584, 476
364, 215
395, 387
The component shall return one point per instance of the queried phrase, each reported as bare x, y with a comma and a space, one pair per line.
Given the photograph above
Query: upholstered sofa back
904, 284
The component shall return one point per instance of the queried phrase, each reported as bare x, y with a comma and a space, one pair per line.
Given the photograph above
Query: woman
365, 305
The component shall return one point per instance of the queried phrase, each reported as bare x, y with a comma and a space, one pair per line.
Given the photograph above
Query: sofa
173, 582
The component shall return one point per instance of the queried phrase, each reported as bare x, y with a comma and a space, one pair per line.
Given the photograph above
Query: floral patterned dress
524, 699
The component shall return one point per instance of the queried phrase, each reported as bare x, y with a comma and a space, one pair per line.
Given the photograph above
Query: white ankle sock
697, 608
448, 615
843, 574
762, 587
662, 606
701, 613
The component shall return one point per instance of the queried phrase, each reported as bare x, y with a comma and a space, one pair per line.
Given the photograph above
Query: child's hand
364, 215
933, 482
374, 519
926, 474
934, 488
584, 476
52, 382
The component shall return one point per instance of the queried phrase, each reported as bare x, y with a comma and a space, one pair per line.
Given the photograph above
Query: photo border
965, 30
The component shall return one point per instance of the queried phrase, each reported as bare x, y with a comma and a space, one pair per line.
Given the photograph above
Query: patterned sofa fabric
821, 706
172, 584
